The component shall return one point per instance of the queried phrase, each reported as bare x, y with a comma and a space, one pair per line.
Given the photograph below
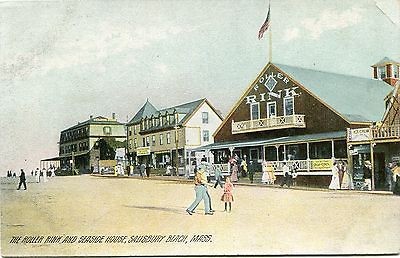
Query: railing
385, 132
303, 167
276, 122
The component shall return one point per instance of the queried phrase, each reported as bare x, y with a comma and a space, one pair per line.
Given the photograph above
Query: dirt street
87, 215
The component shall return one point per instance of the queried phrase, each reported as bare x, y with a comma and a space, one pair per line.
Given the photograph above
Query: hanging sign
143, 151
359, 135
321, 164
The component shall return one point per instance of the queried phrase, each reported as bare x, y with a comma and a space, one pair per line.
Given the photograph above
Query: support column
372, 164
308, 157
333, 150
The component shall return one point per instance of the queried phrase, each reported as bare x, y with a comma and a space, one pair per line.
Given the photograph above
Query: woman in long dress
334, 185
234, 176
347, 182
265, 176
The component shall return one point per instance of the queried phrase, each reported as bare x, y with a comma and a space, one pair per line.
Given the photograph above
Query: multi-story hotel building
156, 136
91, 144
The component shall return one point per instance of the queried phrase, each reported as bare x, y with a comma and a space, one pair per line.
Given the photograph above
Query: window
206, 136
395, 69
204, 117
134, 129
153, 140
130, 143
130, 131
135, 143
107, 130
147, 141
168, 138
161, 139
382, 72
143, 142
254, 154
271, 109
255, 111
288, 106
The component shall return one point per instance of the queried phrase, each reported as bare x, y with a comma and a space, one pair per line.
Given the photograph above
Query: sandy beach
86, 215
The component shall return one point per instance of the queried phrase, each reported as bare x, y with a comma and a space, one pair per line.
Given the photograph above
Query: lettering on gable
269, 81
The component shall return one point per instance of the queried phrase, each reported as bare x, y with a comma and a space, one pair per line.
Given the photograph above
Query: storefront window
254, 154
340, 149
320, 150
270, 153
296, 152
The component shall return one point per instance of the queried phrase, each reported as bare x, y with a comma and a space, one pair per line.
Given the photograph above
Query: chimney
91, 116
113, 116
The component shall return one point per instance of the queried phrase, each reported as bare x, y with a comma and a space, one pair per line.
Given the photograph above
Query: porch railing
386, 132
311, 166
277, 122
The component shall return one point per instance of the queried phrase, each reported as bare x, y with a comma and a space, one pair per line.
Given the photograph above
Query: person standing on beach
22, 180
227, 197
200, 181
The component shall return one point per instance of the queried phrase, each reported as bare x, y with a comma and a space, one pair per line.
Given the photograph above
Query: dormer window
382, 72
395, 71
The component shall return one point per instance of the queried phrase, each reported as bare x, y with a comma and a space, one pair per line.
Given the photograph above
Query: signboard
359, 135
322, 164
143, 151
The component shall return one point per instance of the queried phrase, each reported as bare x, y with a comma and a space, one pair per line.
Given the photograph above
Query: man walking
22, 180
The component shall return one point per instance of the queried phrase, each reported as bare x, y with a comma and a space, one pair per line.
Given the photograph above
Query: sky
62, 61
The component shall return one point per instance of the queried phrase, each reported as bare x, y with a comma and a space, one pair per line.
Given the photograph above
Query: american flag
265, 25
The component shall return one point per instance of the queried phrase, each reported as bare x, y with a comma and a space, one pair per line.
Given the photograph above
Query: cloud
86, 45
290, 34
332, 20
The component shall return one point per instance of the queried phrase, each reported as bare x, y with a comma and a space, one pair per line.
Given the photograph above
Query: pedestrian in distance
251, 171
227, 196
217, 174
286, 175
142, 170
22, 180
235, 171
148, 170
37, 175
294, 177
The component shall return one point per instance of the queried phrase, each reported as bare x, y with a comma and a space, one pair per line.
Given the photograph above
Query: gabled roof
186, 108
357, 99
385, 61
146, 110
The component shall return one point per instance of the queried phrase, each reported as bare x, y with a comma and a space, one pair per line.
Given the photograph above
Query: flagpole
270, 36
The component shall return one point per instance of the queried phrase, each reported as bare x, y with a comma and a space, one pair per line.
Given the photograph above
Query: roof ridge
328, 72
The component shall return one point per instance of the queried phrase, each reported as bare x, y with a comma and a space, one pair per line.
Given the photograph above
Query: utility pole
176, 144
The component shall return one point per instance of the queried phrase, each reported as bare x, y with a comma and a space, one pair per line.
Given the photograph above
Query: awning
75, 155
295, 139
51, 159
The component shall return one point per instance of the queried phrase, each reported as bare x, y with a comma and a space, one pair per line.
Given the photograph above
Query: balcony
386, 132
277, 122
